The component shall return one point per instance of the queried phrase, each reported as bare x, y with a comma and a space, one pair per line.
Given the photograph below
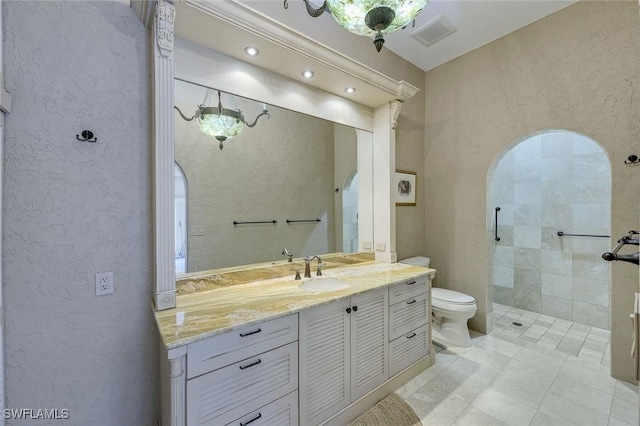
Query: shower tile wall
553, 182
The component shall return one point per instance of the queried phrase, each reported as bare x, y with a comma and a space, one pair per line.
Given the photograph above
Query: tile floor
546, 372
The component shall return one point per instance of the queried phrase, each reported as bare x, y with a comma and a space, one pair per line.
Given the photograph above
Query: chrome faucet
307, 266
287, 253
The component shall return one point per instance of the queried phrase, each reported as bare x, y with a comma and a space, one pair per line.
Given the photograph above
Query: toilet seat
451, 297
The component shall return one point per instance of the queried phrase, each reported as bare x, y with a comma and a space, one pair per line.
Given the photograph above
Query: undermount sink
321, 285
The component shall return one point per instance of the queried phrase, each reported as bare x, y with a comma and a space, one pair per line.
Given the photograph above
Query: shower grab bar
496, 228
235, 222
562, 234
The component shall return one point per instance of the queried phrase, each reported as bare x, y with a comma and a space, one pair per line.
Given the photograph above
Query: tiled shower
555, 181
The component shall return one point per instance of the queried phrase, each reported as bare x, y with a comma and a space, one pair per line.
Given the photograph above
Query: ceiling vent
434, 30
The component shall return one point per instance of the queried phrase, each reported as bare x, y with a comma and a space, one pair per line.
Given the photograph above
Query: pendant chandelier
369, 17
218, 122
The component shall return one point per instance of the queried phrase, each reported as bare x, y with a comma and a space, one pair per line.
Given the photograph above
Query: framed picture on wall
405, 188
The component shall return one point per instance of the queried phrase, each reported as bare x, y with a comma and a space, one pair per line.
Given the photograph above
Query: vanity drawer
218, 351
407, 315
408, 288
407, 349
216, 397
281, 412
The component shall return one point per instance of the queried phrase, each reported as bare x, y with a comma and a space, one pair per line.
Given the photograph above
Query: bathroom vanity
267, 351
246, 345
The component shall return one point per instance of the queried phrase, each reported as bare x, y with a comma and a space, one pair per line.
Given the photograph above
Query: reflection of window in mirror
180, 214
350, 214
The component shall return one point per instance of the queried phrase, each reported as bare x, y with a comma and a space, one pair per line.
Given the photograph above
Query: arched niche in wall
227, 27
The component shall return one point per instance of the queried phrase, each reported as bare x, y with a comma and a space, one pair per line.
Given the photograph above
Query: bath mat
391, 411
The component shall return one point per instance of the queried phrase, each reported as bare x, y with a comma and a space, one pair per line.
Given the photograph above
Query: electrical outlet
197, 231
104, 283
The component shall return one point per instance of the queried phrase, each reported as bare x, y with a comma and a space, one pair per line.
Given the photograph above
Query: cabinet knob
355, 309
348, 310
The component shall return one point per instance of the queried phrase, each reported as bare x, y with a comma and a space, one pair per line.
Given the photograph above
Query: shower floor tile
547, 371
564, 336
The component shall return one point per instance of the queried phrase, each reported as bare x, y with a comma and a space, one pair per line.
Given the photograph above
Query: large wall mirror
311, 176
199, 55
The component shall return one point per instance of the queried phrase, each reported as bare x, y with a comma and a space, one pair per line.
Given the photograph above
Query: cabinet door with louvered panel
369, 341
407, 349
408, 315
219, 351
408, 288
324, 361
281, 412
213, 398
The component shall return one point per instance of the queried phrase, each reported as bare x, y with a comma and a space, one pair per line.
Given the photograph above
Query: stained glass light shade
220, 126
218, 122
350, 14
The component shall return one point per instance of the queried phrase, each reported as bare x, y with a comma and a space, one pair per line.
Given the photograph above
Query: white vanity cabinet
248, 376
343, 352
326, 364
409, 313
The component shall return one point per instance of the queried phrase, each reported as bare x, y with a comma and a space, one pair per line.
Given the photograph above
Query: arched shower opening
554, 181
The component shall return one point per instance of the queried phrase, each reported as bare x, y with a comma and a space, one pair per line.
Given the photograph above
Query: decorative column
385, 119
178, 388
163, 125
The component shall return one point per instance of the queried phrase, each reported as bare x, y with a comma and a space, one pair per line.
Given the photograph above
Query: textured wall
575, 70
72, 209
280, 169
535, 185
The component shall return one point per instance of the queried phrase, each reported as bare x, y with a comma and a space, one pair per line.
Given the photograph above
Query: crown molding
203, 21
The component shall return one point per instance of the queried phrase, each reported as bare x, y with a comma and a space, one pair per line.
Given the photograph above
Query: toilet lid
450, 296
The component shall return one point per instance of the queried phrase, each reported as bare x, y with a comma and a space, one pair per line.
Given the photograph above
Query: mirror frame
160, 16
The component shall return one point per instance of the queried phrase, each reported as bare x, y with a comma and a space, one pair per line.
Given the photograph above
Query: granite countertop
209, 312
243, 274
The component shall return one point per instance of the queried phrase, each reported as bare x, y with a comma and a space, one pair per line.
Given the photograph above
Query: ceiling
478, 22
291, 41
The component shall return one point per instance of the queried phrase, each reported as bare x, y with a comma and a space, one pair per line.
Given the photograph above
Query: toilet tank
417, 261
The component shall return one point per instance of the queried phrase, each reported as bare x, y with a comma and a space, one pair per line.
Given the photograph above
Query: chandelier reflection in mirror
218, 122
369, 17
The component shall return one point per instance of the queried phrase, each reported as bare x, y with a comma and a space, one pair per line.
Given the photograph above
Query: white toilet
450, 311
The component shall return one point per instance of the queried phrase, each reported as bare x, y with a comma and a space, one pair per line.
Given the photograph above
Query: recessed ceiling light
350, 89
308, 73
251, 51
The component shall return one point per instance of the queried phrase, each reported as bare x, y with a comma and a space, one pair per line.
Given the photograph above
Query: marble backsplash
243, 274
